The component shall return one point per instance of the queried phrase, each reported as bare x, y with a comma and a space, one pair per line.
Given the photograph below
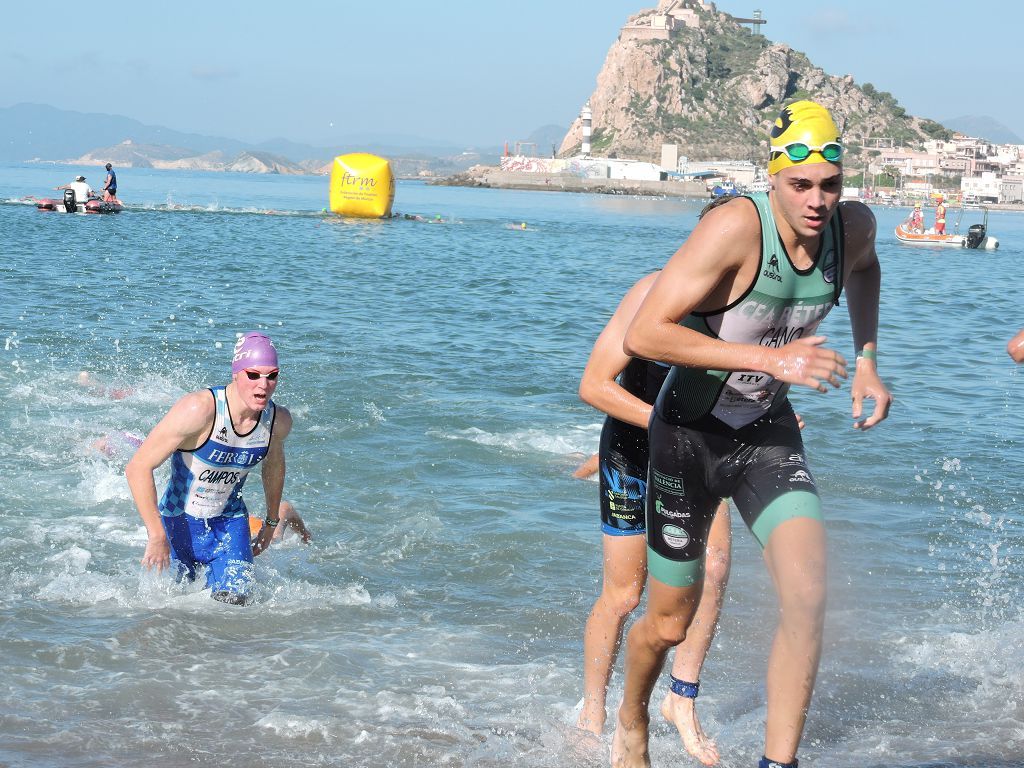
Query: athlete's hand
866, 384
807, 363
263, 539
158, 554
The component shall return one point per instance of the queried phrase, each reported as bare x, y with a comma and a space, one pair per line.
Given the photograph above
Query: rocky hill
684, 73
128, 154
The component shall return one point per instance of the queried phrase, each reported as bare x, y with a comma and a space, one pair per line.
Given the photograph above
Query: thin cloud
138, 66
213, 74
835, 21
88, 61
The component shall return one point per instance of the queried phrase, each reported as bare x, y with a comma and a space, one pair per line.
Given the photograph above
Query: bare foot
629, 745
591, 719
682, 713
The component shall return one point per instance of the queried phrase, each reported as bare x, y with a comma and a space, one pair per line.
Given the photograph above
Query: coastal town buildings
989, 172
986, 172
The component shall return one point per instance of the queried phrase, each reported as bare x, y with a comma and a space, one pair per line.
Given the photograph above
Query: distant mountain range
44, 133
41, 132
984, 127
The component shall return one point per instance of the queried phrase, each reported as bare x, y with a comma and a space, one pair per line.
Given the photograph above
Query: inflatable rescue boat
68, 204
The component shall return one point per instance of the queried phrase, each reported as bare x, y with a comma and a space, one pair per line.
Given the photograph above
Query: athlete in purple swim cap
214, 438
253, 349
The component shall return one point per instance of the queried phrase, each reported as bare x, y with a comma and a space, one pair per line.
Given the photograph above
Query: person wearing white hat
80, 188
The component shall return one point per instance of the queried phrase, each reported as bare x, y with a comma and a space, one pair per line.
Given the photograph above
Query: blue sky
468, 72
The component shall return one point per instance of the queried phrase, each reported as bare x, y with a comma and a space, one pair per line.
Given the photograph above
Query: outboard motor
975, 236
70, 203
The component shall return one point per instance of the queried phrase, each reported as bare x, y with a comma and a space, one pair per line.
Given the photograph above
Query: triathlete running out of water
735, 312
214, 438
625, 388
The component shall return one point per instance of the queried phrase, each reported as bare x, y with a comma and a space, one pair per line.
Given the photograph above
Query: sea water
431, 368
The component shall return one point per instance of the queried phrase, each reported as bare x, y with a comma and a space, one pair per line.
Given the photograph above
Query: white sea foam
292, 726
992, 657
567, 441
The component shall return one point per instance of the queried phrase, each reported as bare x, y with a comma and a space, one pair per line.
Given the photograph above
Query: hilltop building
671, 15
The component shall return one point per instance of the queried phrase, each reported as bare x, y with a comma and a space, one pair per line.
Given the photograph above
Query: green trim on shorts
786, 507
674, 573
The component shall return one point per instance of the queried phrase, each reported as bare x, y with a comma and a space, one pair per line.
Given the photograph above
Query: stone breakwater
496, 178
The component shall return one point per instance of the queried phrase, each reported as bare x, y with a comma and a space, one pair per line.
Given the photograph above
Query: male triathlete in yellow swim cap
803, 133
735, 313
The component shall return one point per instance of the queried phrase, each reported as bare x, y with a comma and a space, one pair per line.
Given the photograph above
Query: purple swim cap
253, 349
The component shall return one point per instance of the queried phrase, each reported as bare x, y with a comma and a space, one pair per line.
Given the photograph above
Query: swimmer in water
87, 380
120, 442
735, 312
214, 438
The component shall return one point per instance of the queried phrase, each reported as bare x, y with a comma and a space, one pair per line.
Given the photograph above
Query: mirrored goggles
252, 375
797, 151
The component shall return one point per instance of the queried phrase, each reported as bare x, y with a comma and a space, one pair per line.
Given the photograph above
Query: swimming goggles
255, 375
797, 151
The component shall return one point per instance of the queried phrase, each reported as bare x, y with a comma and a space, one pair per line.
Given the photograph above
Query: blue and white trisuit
202, 510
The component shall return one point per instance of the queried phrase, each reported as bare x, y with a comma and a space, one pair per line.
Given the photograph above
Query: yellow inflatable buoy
362, 185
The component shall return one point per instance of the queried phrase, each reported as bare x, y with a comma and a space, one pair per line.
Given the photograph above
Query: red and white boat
977, 236
70, 205
905, 234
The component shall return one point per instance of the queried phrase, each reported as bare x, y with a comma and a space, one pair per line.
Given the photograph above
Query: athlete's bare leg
669, 612
689, 659
796, 558
625, 571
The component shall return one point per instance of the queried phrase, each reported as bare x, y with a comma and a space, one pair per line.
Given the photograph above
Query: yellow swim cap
803, 133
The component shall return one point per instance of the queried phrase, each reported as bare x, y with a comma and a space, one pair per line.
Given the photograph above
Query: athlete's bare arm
716, 265
273, 472
862, 287
1015, 348
185, 426
599, 387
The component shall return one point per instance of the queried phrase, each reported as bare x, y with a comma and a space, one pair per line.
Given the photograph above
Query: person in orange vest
940, 216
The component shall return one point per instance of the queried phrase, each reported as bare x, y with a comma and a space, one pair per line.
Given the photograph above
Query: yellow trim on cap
804, 121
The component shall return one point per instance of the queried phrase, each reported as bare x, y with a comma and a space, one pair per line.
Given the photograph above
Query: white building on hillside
742, 173
980, 189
